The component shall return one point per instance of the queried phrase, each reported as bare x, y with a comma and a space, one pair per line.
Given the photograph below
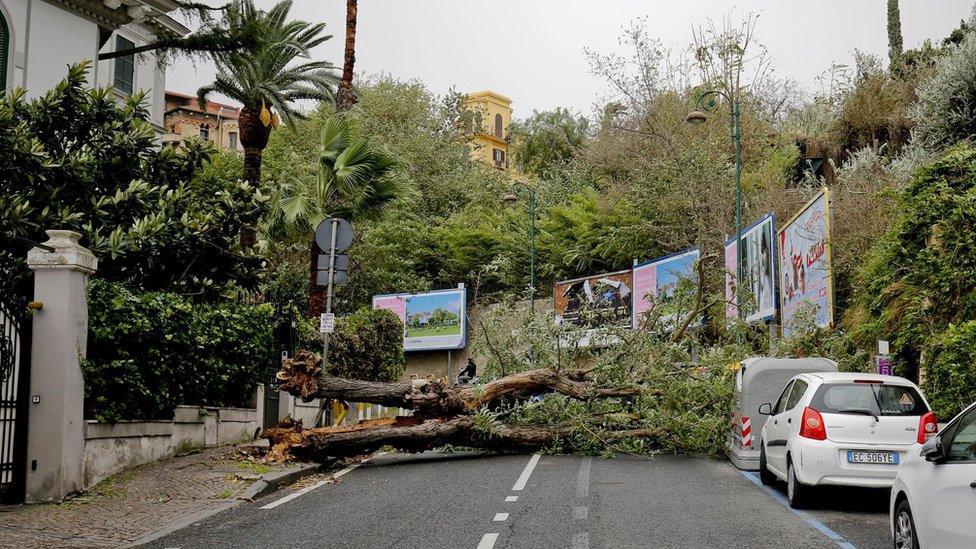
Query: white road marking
500, 517
580, 513
526, 473
581, 541
583, 478
292, 496
321, 483
487, 541
511, 498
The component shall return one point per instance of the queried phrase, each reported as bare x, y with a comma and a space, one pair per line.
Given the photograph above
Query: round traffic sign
323, 234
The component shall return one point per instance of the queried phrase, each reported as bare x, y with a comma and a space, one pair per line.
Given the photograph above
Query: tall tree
894, 32
347, 98
353, 181
264, 78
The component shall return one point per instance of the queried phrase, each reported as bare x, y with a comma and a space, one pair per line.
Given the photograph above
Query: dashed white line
511, 498
488, 541
500, 517
583, 478
526, 473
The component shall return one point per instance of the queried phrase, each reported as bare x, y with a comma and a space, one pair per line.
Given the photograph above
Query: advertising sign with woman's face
758, 256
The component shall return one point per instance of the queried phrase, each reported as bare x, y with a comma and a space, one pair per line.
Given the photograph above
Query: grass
257, 468
429, 331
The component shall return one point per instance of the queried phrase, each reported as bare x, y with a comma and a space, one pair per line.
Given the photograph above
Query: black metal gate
15, 346
285, 343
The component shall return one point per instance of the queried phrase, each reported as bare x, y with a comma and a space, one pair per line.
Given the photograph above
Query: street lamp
510, 197
706, 101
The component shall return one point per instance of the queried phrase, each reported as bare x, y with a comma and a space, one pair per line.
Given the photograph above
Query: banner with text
804, 265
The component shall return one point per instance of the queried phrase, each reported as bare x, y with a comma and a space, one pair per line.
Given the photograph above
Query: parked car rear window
875, 398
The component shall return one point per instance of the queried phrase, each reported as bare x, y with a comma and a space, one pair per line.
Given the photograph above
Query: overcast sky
532, 50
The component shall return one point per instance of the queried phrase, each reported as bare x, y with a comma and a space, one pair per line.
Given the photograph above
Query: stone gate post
56, 425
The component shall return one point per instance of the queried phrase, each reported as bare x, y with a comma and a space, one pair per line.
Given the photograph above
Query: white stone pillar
56, 424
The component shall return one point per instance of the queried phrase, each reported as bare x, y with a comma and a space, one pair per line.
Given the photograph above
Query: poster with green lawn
432, 321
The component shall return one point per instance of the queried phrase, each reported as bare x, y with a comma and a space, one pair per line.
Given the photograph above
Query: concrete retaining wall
114, 447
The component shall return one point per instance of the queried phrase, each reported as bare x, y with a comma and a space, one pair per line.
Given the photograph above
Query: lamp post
512, 196
706, 101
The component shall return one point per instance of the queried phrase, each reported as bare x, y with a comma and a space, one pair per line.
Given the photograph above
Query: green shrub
149, 352
368, 344
950, 370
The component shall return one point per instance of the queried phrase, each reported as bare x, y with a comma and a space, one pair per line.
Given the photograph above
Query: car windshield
875, 399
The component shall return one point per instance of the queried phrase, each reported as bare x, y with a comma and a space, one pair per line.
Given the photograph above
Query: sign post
333, 236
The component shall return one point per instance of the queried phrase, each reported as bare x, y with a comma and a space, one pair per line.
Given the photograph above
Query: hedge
368, 344
949, 370
150, 352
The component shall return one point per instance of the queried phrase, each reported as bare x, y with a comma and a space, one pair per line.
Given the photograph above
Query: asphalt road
470, 500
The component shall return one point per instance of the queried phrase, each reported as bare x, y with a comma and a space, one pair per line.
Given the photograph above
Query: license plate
883, 458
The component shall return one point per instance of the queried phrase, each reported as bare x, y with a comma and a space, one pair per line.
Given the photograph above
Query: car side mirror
766, 409
933, 450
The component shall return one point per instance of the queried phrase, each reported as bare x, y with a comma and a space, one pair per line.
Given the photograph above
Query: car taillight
812, 425
928, 426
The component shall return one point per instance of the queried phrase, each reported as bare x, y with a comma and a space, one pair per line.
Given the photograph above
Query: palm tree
264, 78
354, 181
346, 96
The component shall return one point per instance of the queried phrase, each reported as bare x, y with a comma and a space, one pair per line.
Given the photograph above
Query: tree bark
347, 97
442, 414
430, 398
411, 434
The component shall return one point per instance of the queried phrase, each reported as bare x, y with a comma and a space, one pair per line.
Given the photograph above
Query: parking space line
526, 473
807, 517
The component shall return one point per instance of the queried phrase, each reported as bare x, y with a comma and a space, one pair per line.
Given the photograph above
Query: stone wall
114, 447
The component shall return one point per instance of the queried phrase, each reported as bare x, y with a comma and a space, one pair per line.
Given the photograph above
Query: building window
498, 126
204, 132
125, 66
498, 157
4, 52
232, 141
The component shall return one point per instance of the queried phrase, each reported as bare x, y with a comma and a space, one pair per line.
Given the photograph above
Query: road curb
269, 482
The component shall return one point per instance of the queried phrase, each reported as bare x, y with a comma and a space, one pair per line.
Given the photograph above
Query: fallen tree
494, 416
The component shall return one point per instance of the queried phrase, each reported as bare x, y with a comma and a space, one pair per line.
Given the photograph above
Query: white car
933, 500
843, 429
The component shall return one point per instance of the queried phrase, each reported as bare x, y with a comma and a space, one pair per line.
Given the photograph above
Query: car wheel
796, 492
905, 536
765, 475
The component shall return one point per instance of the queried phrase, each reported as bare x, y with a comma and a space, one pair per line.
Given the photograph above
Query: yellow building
491, 138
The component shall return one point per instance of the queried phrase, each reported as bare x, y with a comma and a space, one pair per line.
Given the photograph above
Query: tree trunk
429, 398
346, 97
442, 414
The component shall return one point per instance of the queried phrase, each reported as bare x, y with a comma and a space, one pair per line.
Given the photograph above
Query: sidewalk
143, 503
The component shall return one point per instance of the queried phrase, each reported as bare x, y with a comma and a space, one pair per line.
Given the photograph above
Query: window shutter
4, 52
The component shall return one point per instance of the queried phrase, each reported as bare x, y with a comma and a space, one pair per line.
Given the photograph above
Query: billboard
804, 263
759, 270
655, 283
432, 321
598, 301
